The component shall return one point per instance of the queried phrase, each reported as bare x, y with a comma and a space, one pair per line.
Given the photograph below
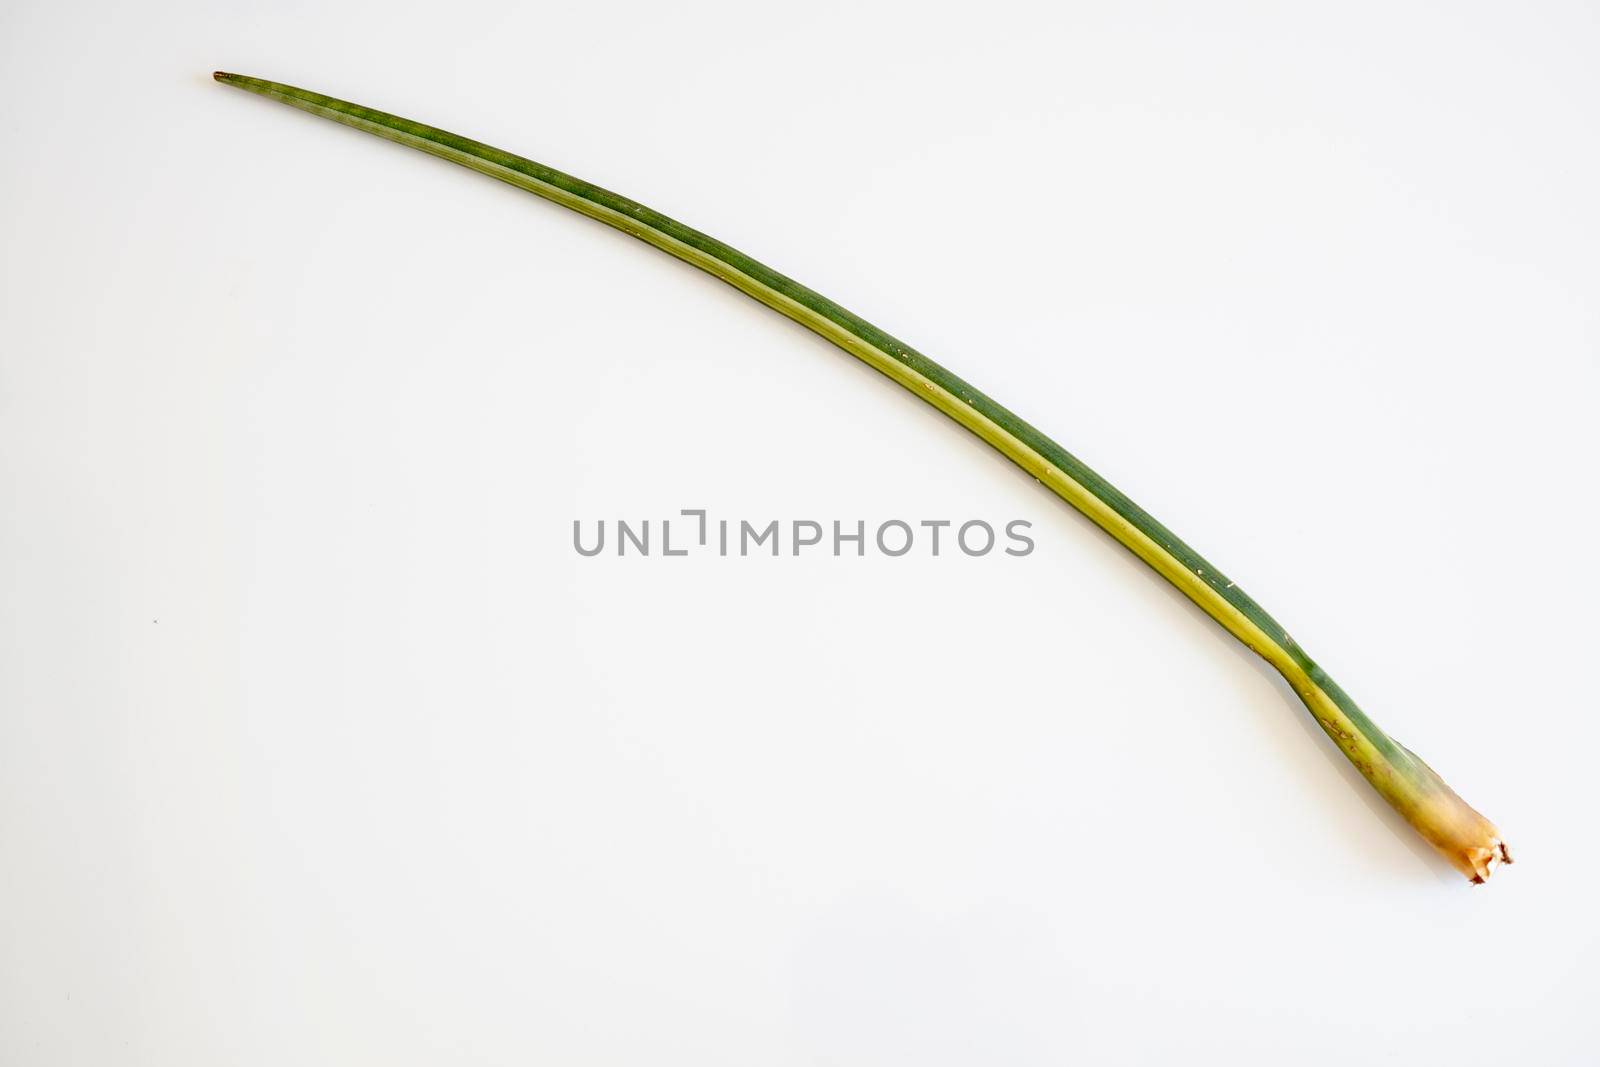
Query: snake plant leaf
1463, 837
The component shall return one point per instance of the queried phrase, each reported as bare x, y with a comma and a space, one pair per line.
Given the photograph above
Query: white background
319, 744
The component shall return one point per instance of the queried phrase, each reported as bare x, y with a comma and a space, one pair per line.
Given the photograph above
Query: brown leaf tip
1484, 860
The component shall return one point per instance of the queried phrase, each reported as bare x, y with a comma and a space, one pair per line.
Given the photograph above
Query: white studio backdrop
319, 743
